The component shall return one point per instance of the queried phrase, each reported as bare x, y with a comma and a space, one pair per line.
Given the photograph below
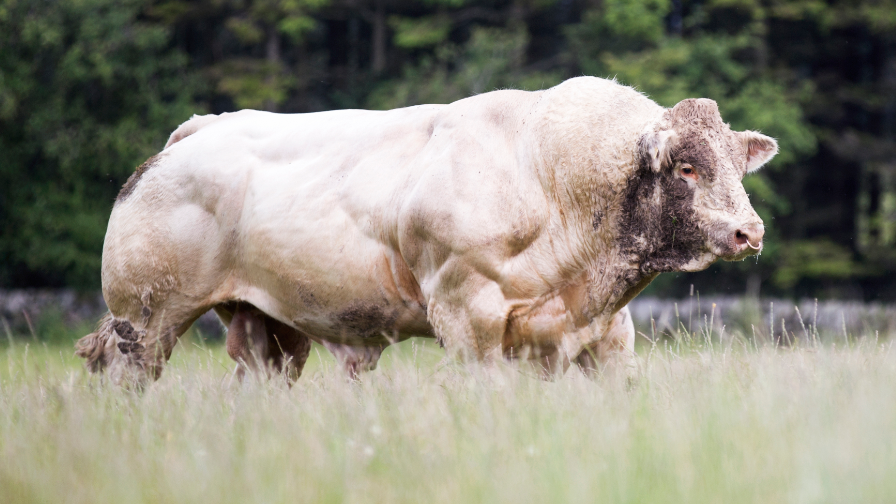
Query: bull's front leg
469, 320
613, 352
135, 340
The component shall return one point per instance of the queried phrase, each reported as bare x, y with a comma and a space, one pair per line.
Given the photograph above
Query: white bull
515, 224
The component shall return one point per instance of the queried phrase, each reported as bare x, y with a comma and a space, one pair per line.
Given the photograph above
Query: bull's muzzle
747, 239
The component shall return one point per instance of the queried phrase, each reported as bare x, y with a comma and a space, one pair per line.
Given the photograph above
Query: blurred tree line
90, 88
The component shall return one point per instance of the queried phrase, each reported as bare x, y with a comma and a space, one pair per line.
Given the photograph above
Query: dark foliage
91, 89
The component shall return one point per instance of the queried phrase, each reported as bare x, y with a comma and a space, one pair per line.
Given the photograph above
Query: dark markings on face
366, 320
660, 237
693, 149
665, 236
132, 181
704, 139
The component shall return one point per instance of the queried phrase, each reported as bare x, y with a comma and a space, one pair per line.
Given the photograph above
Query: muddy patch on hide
126, 347
596, 219
366, 320
135, 177
306, 296
125, 330
625, 281
497, 115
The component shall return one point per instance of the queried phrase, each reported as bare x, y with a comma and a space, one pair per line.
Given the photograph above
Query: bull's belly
367, 319
364, 299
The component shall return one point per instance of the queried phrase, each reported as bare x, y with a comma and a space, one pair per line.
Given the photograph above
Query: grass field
724, 421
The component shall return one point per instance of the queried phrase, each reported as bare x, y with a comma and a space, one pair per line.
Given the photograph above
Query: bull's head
686, 206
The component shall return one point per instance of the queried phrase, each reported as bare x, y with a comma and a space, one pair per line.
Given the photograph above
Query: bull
510, 224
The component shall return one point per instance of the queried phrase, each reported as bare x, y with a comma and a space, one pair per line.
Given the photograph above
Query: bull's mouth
740, 247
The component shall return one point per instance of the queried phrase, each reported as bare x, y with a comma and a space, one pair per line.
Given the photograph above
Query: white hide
474, 222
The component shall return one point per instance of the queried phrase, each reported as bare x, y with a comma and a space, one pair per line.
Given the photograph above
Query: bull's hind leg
614, 352
289, 348
261, 344
134, 345
247, 341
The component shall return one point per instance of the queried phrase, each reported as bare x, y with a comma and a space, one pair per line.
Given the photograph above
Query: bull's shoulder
603, 108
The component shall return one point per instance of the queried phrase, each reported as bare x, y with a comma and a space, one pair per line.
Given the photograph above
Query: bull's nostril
749, 236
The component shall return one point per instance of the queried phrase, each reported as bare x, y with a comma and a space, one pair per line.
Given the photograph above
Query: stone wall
22, 310
832, 319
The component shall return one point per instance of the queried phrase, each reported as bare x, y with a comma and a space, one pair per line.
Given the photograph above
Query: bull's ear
760, 149
656, 149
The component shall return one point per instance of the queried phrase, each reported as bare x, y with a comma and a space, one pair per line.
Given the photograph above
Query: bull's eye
688, 171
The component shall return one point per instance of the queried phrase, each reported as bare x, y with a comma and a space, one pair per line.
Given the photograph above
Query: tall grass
710, 419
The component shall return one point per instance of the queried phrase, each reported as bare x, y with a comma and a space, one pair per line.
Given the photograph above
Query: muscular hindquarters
164, 263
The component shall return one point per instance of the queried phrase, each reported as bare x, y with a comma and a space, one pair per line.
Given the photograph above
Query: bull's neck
586, 165
617, 272
586, 241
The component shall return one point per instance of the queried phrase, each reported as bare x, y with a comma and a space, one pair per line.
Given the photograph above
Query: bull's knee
473, 330
613, 352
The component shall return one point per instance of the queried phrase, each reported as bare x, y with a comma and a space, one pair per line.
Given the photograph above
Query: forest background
91, 88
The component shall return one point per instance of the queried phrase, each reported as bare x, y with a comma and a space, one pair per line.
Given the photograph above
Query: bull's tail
191, 126
93, 346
